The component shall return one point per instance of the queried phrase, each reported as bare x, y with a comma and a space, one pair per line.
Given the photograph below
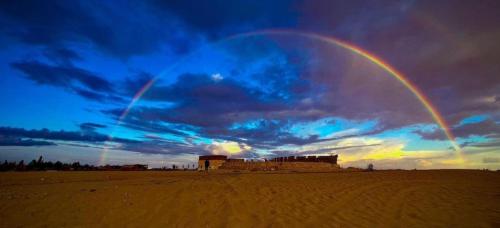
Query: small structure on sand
208, 162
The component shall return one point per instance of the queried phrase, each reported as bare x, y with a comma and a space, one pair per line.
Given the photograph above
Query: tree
49, 165
21, 165
370, 167
39, 164
32, 165
75, 165
58, 165
4, 166
40, 160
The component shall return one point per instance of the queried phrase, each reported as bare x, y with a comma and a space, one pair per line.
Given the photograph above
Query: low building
213, 161
134, 167
328, 159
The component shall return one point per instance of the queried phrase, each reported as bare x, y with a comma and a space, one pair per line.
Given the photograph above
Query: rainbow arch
431, 109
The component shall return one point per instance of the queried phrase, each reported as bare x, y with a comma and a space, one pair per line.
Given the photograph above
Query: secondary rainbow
437, 117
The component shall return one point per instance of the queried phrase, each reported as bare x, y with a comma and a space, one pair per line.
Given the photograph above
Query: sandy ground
192, 199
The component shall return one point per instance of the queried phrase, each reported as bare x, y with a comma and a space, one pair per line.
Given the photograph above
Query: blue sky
69, 71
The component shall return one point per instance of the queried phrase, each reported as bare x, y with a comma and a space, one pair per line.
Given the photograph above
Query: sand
191, 199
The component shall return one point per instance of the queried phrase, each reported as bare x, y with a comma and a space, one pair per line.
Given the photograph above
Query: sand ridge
441, 198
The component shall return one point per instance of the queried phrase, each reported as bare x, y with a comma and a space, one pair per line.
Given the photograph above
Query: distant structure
213, 161
329, 159
134, 167
279, 163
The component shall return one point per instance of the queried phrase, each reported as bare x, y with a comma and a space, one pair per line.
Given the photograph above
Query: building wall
255, 166
329, 159
214, 164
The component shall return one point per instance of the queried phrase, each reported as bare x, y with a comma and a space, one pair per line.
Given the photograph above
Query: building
332, 159
279, 163
134, 167
213, 161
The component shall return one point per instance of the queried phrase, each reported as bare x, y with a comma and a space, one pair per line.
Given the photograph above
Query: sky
399, 84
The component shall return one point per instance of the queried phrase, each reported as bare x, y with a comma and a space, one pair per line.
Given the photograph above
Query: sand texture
452, 198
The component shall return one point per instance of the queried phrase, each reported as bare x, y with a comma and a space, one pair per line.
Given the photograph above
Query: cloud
275, 101
199, 95
131, 85
491, 160
449, 56
11, 141
228, 148
219, 18
61, 55
490, 144
63, 76
217, 77
91, 126
487, 128
82, 82
98, 97
199, 101
58, 135
278, 95
156, 127
91, 139
162, 146
54, 24
329, 150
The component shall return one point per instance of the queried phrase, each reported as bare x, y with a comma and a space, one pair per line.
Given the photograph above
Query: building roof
213, 157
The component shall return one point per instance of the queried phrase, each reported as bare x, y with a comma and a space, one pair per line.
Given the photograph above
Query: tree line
40, 164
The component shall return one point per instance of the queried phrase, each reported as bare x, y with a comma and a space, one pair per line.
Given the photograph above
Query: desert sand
441, 198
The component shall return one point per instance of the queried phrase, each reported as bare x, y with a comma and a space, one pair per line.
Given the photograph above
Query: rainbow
136, 98
424, 100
